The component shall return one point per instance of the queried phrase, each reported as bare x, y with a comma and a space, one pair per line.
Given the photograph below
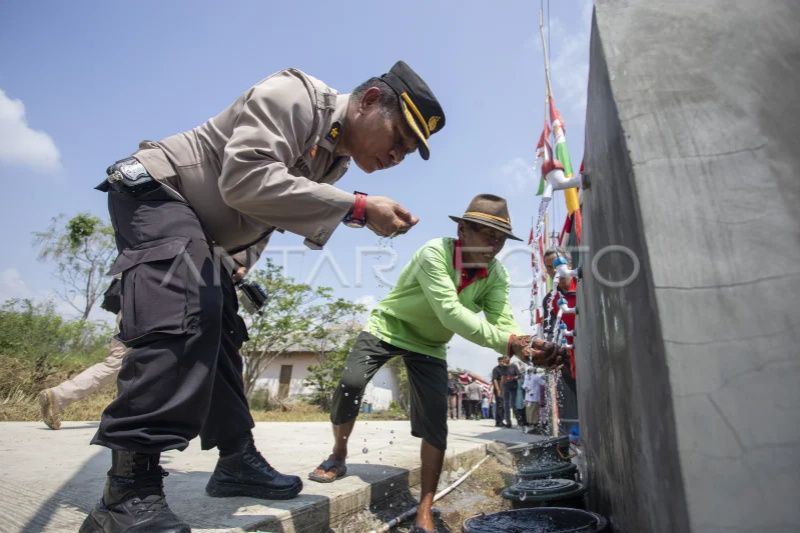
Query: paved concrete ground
50, 479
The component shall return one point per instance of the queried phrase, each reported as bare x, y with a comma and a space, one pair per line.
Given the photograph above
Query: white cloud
12, 285
568, 44
20, 144
570, 62
516, 176
368, 301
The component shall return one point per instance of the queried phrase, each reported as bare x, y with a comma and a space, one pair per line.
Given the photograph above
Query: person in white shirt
485, 406
532, 385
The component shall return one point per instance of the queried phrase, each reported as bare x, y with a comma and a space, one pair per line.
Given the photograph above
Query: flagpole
552, 399
549, 88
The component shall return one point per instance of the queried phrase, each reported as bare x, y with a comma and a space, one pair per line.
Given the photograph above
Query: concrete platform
49, 479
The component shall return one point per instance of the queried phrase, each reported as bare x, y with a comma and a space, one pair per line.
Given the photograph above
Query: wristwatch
357, 217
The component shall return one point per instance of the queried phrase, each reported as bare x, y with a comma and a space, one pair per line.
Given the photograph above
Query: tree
325, 376
401, 372
83, 250
295, 315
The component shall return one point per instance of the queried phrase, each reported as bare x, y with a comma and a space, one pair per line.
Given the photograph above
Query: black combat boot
242, 471
133, 499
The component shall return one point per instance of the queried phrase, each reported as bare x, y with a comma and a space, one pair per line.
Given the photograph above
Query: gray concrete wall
689, 376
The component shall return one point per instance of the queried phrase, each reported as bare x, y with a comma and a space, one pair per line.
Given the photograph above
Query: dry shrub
285, 410
23, 407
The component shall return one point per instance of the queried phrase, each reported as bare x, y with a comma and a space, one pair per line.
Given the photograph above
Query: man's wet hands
387, 218
537, 351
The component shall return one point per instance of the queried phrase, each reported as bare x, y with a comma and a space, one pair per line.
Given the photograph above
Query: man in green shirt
442, 291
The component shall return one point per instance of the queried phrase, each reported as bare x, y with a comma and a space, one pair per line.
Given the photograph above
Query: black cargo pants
183, 374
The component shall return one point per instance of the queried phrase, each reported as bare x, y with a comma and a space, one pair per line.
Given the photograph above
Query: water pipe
565, 308
561, 266
441, 494
558, 181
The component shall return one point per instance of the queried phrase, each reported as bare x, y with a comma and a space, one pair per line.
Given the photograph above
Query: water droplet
391, 484
355, 401
391, 431
527, 452
522, 496
365, 450
347, 394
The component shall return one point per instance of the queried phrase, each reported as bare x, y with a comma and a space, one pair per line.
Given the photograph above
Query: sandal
329, 465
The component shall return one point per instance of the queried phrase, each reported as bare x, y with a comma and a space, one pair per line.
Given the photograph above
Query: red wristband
357, 217
360, 206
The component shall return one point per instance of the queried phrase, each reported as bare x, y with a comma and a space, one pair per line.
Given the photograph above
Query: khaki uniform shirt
265, 162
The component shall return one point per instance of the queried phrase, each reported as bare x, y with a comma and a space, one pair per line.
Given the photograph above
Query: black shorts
427, 378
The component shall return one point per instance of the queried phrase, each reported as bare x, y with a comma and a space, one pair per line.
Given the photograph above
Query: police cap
420, 107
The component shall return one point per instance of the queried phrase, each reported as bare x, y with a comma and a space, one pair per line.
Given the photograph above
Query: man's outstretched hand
387, 218
547, 354
539, 352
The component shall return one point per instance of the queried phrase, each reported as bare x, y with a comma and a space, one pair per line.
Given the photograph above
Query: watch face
354, 223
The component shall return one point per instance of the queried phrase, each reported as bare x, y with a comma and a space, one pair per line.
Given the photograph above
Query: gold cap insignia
433, 122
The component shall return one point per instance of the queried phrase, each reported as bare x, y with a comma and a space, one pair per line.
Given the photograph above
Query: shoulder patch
334, 132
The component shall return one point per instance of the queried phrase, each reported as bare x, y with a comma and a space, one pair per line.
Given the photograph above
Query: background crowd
523, 389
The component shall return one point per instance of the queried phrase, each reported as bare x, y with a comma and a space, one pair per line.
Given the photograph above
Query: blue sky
81, 83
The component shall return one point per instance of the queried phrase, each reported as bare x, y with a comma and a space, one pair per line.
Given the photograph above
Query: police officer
178, 206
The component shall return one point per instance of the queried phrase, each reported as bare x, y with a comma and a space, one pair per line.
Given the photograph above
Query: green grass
23, 406
39, 349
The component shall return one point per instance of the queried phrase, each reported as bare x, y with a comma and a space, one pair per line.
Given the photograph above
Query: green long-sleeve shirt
425, 307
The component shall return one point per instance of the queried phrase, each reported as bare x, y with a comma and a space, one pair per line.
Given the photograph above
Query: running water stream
552, 400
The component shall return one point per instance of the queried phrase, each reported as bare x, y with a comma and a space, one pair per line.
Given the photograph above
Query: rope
411, 512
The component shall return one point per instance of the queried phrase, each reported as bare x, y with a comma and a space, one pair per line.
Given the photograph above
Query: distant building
285, 378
